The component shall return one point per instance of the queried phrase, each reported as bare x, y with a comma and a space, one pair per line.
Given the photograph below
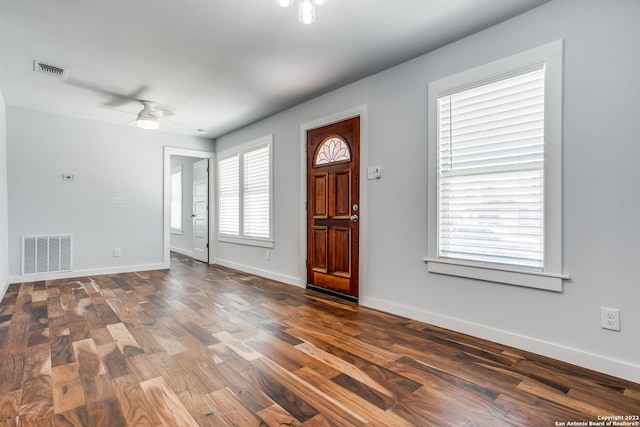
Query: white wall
116, 200
601, 203
4, 211
183, 243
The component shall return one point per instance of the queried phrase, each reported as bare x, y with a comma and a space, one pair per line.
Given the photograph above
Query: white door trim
166, 240
363, 213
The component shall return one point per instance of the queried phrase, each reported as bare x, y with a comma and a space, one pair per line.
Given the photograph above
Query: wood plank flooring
204, 345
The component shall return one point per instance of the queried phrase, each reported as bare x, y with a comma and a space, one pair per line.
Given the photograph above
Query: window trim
175, 170
551, 278
240, 238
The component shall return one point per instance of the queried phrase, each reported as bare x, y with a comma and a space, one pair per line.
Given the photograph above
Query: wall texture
600, 175
4, 210
183, 243
116, 200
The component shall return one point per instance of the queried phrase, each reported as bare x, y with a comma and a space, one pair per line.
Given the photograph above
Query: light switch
373, 172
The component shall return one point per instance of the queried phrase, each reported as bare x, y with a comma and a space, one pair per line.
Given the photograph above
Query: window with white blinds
491, 172
494, 178
229, 196
245, 194
256, 193
176, 200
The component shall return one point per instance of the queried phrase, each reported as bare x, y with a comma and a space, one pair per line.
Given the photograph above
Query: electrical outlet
610, 318
268, 256
117, 252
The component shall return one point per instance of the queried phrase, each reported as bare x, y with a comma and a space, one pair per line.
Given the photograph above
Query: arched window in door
333, 150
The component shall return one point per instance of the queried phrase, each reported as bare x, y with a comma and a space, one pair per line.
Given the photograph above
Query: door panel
342, 251
320, 196
200, 214
341, 199
320, 244
333, 193
331, 282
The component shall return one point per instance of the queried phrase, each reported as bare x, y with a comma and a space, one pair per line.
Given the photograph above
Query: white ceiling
217, 64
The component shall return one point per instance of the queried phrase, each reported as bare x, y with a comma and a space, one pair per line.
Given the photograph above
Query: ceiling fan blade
120, 98
162, 113
116, 109
85, 85
177, 123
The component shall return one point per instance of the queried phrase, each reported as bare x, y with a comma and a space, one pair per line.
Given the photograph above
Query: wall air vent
52, 70
46, 254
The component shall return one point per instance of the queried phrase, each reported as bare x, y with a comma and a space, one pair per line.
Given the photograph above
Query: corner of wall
4, 286
4, 204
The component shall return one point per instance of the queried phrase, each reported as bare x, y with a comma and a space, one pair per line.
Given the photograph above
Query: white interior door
200, 214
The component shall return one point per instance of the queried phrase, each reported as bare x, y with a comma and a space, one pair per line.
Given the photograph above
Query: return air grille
46, 254
49, 69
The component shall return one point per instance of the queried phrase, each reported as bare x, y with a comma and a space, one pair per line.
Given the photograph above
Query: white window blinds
256, 193
491, 173
244, 191
229, 195
176, 199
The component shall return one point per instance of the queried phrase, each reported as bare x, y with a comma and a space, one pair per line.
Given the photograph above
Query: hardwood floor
208, 346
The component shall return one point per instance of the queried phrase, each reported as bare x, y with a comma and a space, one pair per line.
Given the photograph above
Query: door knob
354, 218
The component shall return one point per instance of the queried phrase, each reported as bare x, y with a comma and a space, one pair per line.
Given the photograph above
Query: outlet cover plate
610, 318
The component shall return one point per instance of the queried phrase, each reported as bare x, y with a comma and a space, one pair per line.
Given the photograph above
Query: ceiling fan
150, 115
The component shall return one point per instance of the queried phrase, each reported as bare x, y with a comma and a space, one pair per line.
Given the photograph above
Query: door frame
166, 240
363, 212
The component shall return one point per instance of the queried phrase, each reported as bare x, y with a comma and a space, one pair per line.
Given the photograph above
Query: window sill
529, 279
248, 241
177, 232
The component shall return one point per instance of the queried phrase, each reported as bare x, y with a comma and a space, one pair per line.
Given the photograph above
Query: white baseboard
88, 272
181, 251
290, 280
595, 362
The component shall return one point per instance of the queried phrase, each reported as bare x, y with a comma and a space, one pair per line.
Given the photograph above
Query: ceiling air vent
52, 70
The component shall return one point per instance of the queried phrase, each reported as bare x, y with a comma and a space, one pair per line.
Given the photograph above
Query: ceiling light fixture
147, 122
306, 9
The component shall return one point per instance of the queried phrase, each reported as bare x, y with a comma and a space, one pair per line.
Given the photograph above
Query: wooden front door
333, 199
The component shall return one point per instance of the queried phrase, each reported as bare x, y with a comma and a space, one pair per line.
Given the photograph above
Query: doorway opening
188, 204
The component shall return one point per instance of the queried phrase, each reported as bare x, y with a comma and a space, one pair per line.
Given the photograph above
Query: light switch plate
374, 172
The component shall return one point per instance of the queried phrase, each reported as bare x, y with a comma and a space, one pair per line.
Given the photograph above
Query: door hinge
207, 246
207, 169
